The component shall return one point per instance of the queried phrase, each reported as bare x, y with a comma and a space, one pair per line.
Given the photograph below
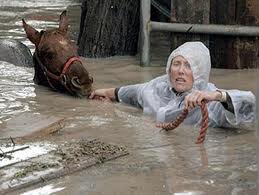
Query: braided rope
204, 123
172, 125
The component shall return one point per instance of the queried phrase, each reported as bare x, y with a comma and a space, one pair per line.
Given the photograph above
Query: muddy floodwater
158, 162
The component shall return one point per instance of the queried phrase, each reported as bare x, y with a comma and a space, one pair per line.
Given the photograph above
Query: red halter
68, 63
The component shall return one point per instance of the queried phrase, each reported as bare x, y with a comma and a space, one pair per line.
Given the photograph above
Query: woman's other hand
196, 97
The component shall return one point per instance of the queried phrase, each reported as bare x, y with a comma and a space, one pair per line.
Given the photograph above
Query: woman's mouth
180, 80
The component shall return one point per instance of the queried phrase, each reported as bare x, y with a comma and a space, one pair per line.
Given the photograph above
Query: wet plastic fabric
157, 98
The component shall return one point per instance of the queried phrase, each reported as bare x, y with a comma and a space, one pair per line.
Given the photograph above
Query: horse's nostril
63, 79
76, 83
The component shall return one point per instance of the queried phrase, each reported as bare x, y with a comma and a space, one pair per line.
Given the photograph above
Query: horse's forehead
63, 42
51, 37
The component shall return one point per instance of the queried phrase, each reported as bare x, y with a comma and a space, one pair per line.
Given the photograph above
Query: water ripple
16, 83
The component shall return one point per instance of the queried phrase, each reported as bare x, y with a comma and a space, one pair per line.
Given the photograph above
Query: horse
56, 62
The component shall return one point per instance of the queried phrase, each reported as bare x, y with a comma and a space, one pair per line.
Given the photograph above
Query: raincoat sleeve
136, 95
130, 94
243, 103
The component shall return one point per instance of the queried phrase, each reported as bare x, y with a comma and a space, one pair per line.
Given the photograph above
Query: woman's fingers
194, 99
98, 94
159, 125
200, 98
108, 94
188, 102
107, 99
101, 98
92, 95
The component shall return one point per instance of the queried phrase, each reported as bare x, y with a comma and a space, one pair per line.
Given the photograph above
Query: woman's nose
181, 68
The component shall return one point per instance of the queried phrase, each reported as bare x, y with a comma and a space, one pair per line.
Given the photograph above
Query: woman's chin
180, 89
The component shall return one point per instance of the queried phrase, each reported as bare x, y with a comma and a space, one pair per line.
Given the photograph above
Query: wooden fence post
234, 52
189, 11
109, 28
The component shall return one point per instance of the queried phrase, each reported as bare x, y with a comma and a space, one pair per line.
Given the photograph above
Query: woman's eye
187, 65
176, 64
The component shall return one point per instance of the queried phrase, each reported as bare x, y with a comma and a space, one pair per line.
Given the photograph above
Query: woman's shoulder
163, 78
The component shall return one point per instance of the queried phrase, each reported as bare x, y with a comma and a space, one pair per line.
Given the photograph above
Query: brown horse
56, 62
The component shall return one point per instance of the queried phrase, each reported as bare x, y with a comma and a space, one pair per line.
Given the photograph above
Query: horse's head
56, 60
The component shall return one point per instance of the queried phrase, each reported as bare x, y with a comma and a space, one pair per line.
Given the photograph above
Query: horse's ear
63, 22
32, 34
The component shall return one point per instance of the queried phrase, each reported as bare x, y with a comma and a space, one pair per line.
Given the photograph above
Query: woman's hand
103, 94
196, 97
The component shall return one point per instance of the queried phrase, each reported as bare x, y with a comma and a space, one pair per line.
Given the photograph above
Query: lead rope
204, 123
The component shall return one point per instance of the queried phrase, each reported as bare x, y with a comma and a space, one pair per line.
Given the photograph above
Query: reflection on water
159, 162
17, 89
40, 14
46, 190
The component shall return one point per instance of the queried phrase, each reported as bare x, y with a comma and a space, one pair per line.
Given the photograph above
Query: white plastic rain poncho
157, 98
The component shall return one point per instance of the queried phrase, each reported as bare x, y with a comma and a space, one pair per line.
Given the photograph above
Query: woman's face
181, 74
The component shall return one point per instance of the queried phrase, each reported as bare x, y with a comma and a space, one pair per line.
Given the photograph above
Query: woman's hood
198, 56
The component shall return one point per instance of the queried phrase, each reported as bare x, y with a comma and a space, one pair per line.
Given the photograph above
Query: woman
185, 86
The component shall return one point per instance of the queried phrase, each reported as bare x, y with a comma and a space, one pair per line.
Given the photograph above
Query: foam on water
46, 190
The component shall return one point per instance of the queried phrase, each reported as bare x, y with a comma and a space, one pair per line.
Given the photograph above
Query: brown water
159, 162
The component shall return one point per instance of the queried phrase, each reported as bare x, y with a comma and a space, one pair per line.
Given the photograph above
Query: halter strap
68, 64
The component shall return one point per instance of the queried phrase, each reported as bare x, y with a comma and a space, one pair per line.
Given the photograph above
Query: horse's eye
49, 55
